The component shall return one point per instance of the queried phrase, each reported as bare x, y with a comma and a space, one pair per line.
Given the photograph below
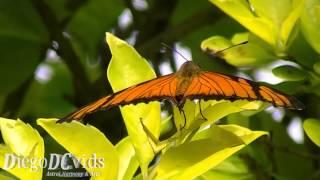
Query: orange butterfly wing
211, 85
156, 89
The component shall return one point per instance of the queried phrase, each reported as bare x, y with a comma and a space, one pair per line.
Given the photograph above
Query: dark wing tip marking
144, 96
296, 104
73, 116
256, 87
62, 120
67, 118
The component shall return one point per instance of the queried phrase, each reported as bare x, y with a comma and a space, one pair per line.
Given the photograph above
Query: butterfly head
188, 69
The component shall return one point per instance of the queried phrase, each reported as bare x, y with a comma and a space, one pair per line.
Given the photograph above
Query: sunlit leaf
310, 23
128, 163
233, 168
240, 10
212, 111
78, 140
312, 128
224, 108
240, 55
128, 68
207, 150
22, 141
6, 176
294, 10
271, 21
215, 44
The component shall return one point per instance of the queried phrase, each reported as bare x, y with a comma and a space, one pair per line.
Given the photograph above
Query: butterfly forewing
152, 90
211, 85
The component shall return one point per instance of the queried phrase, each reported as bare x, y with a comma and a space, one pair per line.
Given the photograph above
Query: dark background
53, 59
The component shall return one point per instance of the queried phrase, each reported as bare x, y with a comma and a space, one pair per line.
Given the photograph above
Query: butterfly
190, 82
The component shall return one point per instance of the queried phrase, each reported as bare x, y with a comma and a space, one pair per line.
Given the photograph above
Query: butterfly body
184, 77
189, 82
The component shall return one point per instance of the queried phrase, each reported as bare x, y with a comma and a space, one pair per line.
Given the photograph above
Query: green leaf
271, 21
249, 54
126, 69
85, 141
223, 108
233, 168
208, 148
22, 141
212, 110
240, 11
310, 23
293, 12
288, 164
185, 8
29, 28
128, 163
289, 73
316, 67
89, 24
215, 44
302, 52
63, 9
19, 59
7, 176
239, 119
312, 128
22, 42
283, 14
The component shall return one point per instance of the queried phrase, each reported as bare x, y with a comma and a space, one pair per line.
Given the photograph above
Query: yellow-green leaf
312, 128
240, 11
128, 68
316, 67
273, 21
293, 14
85, 141
128, 162
214, 44
233, 168
224, 108
21, 141
241, 55
206, 151
310, 23
212, 110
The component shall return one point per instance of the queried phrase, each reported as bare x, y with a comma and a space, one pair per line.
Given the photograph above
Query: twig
14, 99
81, 82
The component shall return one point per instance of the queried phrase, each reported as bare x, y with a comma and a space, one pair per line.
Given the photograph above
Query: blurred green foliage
53, 59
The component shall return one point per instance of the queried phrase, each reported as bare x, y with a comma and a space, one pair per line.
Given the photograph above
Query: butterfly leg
201, 111
184, 118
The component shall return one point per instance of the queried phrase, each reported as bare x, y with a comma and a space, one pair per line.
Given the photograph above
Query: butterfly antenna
174, 50
242, 43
